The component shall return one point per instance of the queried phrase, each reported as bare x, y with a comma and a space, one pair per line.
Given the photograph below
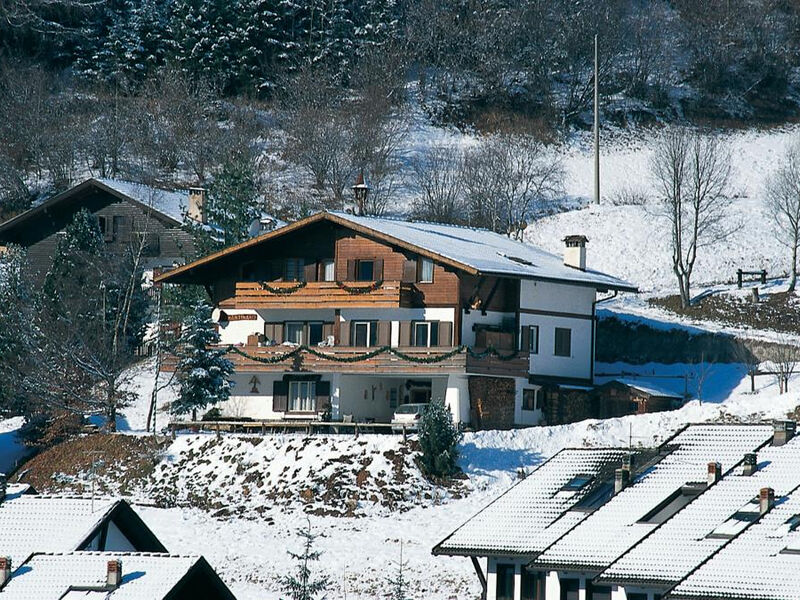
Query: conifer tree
438, 438
204, 372
302, 585
398, 583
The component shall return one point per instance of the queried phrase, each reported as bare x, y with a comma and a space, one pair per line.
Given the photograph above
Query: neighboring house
655, 495
730, 506
525, 520
631, 395
566, 547
114, 576
128, 214
390, 312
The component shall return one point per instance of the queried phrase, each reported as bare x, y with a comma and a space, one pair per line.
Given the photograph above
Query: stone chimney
114, 574
750, 464
622, 478
714, 472
784, 431
575, 251
3, 484
766, 500
5, 570
196, 208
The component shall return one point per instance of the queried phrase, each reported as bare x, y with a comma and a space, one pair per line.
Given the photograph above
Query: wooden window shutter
525, 342
310, 271
377, 269
445, 333
345, 329
405, 333
410, 271
351, 269
274, 332
280, 396
384, 333
327, 330
323, 396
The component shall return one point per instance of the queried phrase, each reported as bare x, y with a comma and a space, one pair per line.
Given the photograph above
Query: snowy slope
11, 449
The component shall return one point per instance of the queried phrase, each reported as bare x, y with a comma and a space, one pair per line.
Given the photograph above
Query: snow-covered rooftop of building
170, 203
761, 563
622, 522
83, 575
519, 521
726, 509
648, 387
31, 523
485, 251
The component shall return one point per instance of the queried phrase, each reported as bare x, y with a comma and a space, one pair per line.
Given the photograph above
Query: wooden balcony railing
322, 294
428, 361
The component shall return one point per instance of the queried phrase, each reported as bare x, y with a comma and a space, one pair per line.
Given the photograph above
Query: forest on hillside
175, 91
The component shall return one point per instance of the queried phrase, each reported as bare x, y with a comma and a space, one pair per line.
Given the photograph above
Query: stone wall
491, 402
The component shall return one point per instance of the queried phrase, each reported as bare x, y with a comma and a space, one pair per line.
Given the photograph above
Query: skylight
577, 483
672, 504
737, 522
517, 259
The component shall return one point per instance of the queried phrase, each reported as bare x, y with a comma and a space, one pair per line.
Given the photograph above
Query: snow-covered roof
648, 387
167, 202
485, 251
536, 511
723, 512
614, 528
54, 576
31, 523
761, 563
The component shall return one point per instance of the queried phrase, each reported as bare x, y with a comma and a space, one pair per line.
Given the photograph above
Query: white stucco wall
475, 316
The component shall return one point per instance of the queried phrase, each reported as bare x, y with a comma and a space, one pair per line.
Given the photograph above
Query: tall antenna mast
596, 126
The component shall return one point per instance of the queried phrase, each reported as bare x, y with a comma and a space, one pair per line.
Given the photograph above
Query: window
597, 592
530, 585
530, 399
505, 582
425, 333
577, 483
675, 502
365, 333
569, 589
314, 333
563, 344
294, 333
365, 270
328, 269
425, 270
738, 521
302, 396
293, 270
533, 339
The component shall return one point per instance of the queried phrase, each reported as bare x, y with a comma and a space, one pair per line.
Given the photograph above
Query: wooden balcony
385, 363
322, 294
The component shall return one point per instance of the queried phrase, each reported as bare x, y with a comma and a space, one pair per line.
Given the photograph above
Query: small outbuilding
637, 396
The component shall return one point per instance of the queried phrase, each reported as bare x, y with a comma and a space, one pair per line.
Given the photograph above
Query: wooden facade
321, 294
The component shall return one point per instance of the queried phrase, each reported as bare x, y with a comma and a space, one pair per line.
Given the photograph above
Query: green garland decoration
360, 289
430, 359
283, 291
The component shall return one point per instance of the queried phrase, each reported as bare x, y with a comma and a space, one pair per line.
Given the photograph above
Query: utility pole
596, 126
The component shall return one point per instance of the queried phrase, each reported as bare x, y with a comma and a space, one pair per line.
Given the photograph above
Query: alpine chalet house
346, 317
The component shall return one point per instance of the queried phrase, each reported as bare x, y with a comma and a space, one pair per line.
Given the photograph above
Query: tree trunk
793, 279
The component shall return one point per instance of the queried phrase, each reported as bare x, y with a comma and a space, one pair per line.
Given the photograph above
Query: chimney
622, 478
750, 464
784, 431
714, 472
575, 251
629, 463
114, 574
5, 570
3, 484
197, 201
766, 500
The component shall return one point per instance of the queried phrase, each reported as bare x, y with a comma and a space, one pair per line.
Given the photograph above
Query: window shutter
351, 270
345, 333
377, 269
310, 271
274, 332
327, 331
384, 333
280, 396
525, 343
410, 271
405, 333
323, 396
445, 333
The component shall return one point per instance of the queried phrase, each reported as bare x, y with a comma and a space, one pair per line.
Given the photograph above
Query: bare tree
783, 203
783, 357
692, 174
510, 180
440, 188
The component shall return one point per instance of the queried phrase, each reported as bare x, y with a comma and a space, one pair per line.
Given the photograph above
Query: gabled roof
619, 524
150, 576
761, 563
537, 510
476, 251
165, 204
647, 387
31, 523
673, 550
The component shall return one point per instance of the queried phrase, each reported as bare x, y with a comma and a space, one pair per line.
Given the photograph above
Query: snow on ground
11, 449
139, 380
360, 553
